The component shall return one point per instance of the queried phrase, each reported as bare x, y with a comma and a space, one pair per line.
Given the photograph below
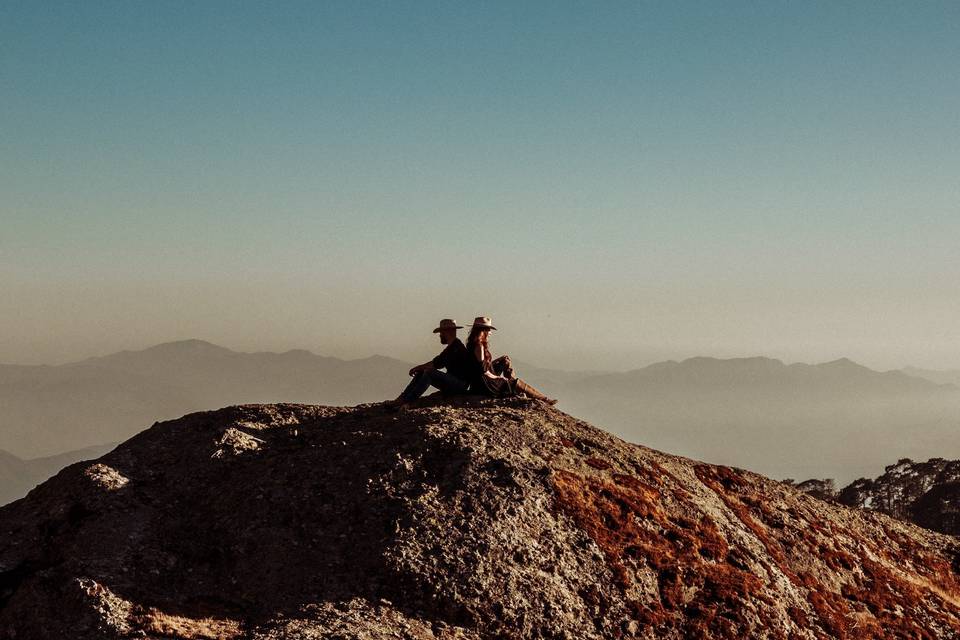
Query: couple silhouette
470, 369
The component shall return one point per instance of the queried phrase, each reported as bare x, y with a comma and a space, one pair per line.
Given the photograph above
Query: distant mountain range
838, 376
836, 419
49, 409
943, 377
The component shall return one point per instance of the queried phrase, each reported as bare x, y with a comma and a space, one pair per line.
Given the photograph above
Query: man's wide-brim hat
447, 323
483, 323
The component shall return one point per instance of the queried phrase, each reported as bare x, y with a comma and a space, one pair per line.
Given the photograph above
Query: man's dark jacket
456, 360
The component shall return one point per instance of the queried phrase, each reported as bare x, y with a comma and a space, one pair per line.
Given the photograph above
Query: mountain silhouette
701, 373
468, 519
50, 409
949, 376
836, 419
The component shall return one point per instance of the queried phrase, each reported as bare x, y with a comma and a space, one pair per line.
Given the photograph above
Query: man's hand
426, 366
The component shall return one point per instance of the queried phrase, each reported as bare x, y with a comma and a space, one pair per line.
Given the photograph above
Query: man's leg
419, 384
447, 383
440, 379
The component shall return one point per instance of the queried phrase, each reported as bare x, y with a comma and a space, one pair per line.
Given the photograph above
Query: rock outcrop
473, 519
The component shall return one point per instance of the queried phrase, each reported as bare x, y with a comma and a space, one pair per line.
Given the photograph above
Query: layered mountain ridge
780, 419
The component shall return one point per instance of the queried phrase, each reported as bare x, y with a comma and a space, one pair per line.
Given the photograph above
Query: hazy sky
613, 182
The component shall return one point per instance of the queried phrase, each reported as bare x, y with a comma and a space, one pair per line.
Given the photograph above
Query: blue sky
617, 181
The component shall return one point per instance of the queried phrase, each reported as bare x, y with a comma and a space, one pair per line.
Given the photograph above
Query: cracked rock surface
470, 519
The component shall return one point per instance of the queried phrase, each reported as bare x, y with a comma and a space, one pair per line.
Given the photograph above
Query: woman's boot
533, 393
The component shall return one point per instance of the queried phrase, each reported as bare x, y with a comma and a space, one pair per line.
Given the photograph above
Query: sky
613, 183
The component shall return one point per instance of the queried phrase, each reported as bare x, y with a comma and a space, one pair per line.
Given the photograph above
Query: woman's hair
475, 334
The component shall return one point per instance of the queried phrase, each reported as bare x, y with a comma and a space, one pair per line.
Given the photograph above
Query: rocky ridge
467, 519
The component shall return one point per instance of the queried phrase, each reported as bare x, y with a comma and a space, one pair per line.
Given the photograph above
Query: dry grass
166, 625
626, 519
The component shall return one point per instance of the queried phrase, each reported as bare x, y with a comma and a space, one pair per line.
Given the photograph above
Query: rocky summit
469, 519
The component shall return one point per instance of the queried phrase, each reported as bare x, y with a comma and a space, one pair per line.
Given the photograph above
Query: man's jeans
440, 379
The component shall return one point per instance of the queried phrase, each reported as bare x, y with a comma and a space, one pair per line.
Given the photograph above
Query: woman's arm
478, 354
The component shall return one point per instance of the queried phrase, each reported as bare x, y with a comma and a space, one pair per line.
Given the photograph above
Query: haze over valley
831, 420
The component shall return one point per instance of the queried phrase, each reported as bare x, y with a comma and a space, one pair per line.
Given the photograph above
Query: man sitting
454, 358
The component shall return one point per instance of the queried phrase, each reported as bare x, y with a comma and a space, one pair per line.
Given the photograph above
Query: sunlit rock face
454, 519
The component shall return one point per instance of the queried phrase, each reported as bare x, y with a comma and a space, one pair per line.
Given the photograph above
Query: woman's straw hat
483, 323
447, 323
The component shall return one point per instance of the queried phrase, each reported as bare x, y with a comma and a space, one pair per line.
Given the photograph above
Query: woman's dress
492, 377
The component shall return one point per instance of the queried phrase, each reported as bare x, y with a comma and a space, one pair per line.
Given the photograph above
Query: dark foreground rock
479, 519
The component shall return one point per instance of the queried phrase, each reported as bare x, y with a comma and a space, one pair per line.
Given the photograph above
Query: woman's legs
503, 366
533, 393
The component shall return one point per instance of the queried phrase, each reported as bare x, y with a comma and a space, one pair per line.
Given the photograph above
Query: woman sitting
494, 377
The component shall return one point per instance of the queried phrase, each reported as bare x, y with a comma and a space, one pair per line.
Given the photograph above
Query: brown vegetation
697, 585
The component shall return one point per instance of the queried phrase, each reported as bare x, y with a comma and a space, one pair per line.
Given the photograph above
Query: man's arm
439, 362
426, 366
443, 358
